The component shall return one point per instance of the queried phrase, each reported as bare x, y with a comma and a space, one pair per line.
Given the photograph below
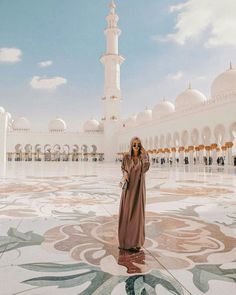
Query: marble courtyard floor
58, 231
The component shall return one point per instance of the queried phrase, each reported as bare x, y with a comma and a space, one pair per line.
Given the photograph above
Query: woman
131, 230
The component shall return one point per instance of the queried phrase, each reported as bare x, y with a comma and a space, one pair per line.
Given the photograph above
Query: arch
219, 133
168, 140
28, 148
162, 141
150, 143
84, 148
195, 137
38, 148
18, 148
94, 149
146, 143
184, 138
56, 152
75, 148
56, 148
156, 142
66, 148
206, 135
47, 148
232, 131
75, 152
176, 140
38, 151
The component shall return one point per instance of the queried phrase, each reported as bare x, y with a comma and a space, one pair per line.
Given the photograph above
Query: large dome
144, 116
2, 110
162, 109
92, 125
224, 84
21, 123
57, 125
188, 98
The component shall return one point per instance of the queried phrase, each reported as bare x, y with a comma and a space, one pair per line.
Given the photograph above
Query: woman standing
131, 230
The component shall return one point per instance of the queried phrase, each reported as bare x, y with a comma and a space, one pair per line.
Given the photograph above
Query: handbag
123, 183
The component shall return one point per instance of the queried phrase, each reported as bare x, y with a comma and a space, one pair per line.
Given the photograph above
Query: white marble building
193, 130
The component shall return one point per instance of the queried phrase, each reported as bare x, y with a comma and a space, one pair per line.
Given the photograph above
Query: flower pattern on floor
61, 233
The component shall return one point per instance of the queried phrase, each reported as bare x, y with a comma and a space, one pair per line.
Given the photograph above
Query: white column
173, 158
201, 157
214, 157
191, 162
3, 135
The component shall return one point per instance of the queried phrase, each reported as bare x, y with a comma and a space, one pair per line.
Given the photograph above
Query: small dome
131, 121
162, 109
224, 84
144, 116
188, 98
21, 123
92, 125
57, 125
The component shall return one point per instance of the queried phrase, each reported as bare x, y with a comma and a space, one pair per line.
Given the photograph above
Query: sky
50, 50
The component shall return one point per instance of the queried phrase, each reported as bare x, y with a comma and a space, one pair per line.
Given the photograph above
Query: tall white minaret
112, 93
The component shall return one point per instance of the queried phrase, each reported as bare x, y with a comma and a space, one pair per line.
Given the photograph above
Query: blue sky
166, 43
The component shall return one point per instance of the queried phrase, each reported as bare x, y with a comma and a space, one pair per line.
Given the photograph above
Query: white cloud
176, 76
47, 83
201, 18
201, 78
46, 63
10, 55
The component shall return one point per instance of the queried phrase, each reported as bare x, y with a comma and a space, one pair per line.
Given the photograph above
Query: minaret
112, 93
112, 61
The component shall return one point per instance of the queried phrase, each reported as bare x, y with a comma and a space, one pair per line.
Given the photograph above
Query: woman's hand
126, 177
143, 151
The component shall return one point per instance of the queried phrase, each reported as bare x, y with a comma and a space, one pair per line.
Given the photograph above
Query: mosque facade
193, 130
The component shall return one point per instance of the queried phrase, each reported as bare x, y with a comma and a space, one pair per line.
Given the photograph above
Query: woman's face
136, 145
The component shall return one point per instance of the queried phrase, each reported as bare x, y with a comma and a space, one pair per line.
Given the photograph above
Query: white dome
57, 125
2, 110
21, 123
188, 98
163, 108
92, 125
131, 121
144, 116
224, 84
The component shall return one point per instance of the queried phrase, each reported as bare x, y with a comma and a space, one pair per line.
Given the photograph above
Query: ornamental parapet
213, 146
191, 148
229, 144
181, 148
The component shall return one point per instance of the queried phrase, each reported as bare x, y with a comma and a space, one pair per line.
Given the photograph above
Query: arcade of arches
206, 147
55, 152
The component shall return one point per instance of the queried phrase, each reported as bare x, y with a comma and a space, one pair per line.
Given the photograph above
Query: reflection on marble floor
58, 232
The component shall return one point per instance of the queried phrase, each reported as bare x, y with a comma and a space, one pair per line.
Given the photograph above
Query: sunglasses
137, 144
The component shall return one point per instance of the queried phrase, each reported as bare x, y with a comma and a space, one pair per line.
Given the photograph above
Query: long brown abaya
131, 229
